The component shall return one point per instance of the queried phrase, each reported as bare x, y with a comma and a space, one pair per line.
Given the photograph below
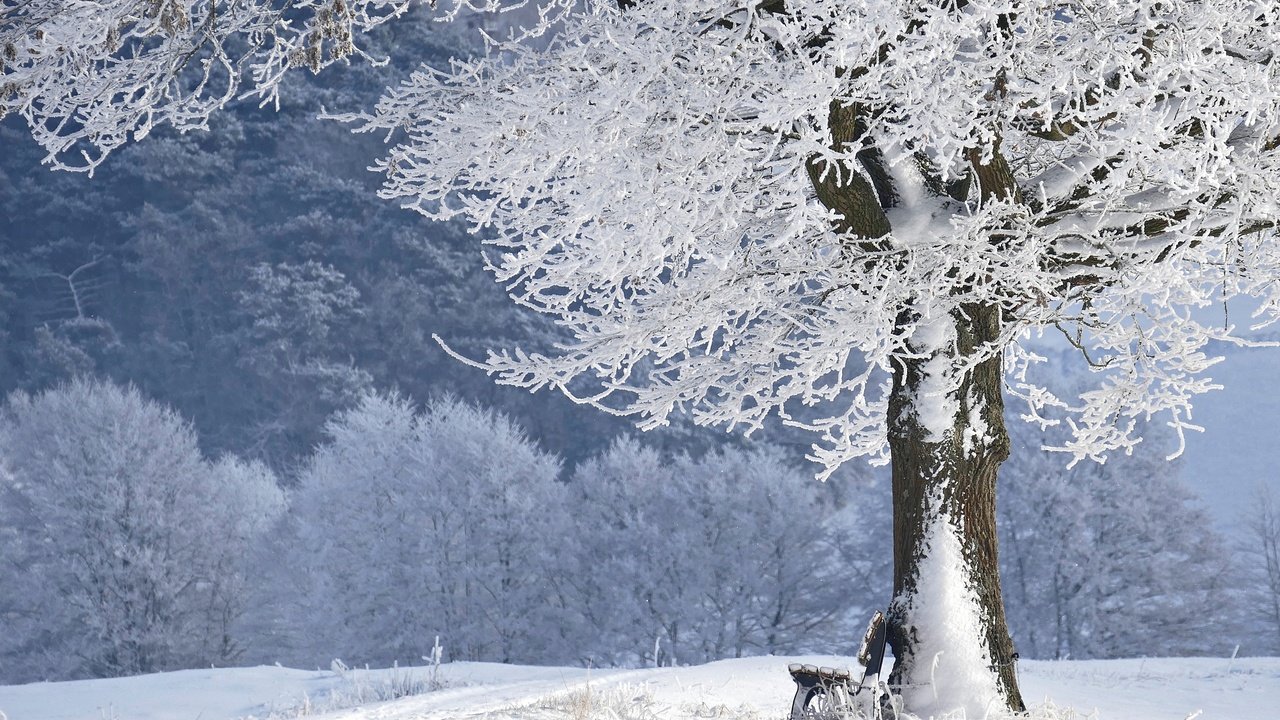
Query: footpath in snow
746, 689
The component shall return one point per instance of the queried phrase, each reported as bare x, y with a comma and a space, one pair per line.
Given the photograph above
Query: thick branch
845, 190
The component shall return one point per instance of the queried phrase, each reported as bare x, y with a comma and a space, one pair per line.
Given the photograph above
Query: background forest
230, 438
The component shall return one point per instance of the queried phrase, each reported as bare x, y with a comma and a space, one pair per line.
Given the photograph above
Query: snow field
744, 689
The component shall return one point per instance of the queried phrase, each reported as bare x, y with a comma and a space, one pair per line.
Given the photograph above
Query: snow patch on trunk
935, 403
951, 676
918, 219
978, 432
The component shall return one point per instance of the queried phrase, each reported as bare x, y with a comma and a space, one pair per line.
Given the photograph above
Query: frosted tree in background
1261, 547
124, 549
244, 502
1110, 560
414, 524
846, 213
291, 312
724, 555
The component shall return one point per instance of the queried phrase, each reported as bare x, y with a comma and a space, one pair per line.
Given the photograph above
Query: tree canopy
736, 208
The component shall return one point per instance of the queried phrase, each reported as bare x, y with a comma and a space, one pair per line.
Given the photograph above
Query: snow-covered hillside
747, 689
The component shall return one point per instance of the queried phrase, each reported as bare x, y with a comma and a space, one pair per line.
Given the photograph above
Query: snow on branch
645, 180
91, 75
739, 208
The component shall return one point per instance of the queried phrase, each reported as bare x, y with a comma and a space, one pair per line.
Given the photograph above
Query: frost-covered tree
740, 208
1260, 558
744, 208
729, 554
243, 503
410, 524
124, 549
88, 77
288, 344
1110, 560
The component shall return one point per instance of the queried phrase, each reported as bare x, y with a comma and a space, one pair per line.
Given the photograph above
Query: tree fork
955, 477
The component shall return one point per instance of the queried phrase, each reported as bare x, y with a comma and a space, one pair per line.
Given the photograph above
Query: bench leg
804, 692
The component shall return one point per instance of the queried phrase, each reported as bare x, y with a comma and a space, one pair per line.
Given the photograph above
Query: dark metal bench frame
834, 688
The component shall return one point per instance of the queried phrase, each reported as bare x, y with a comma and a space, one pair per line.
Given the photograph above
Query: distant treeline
127, 551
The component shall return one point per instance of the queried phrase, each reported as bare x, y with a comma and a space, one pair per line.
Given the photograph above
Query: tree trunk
947, 622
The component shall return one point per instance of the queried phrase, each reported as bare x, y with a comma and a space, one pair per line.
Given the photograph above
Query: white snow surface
749, 688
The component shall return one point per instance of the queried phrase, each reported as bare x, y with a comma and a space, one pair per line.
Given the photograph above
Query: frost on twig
739, 208
91, 75
652, 179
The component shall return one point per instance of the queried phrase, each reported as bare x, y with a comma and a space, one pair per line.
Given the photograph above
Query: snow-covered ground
747, 689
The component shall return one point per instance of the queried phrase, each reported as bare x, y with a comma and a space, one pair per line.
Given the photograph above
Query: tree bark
941, 484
